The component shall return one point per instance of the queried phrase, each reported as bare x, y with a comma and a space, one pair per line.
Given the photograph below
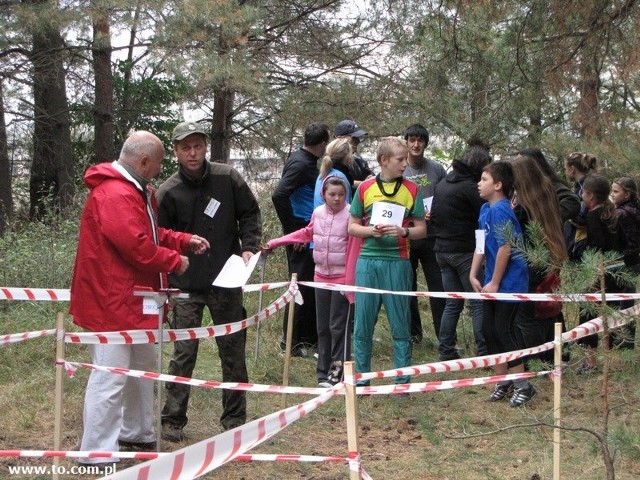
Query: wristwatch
405, 234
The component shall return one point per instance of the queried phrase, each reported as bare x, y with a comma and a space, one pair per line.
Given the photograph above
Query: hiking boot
500, 391
231, 425
444, 357
171, 433
126, 446
522, 395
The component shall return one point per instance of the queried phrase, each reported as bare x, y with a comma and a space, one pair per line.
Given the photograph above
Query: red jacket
117, 252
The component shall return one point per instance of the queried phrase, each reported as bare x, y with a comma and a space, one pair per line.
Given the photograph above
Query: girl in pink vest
328, 232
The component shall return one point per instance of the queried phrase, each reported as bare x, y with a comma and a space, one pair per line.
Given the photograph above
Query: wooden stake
351, 405
57, 429
557, 392
287, 351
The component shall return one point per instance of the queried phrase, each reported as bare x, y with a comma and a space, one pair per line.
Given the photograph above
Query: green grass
450, 434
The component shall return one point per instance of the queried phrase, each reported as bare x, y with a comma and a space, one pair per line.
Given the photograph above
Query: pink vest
330, 239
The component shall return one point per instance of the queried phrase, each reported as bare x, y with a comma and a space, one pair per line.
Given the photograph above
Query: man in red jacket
121, 249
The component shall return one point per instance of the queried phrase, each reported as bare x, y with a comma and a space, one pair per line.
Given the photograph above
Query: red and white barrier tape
34, 294
130, 337
456, 365
20, 337
339, 389
257, 457
530, 297
71, 367
200, 458
79, 454
265, 457
64, 295
445, 384
615, 320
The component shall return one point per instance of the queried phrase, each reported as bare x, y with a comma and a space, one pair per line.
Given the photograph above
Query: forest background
77, 76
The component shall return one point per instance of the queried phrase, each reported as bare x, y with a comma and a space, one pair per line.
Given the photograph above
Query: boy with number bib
386, 212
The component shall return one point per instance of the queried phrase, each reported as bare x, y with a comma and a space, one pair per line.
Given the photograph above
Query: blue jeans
455, 268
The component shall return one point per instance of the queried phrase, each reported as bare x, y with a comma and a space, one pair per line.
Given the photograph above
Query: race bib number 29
384, 213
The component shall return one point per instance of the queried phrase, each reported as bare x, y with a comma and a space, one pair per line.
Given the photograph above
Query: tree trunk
103, 109
588, 109
126, 115
51, 180
6, 202
221, 125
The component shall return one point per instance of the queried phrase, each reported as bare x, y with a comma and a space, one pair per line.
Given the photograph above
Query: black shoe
500, 391
231, 425
171, 433
126, 446
522, 395
450, 356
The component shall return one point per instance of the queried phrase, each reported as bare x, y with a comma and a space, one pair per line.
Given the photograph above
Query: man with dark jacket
293, 201
212, 200
454, 215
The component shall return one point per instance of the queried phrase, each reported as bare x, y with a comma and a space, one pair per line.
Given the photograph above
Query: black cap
349, 127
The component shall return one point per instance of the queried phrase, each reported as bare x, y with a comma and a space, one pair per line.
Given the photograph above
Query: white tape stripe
20, 337
207, 455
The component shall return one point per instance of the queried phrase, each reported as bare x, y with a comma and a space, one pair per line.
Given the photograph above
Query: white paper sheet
427, 202
235, 273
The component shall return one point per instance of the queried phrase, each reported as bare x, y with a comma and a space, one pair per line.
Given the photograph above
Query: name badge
385, 213
149, 306
480, 242
212, 208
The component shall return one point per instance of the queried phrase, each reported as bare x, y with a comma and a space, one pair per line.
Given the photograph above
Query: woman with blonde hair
337, 161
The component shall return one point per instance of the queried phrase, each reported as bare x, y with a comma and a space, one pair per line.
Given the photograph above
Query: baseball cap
349, 127
184, 129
